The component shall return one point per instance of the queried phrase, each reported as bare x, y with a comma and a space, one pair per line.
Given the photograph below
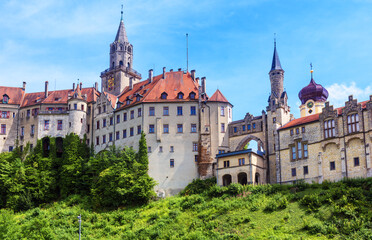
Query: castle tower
278, 113
120, 71
313, 97
77, 112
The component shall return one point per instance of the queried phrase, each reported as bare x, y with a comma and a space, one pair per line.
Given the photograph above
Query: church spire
276, 62
121, 35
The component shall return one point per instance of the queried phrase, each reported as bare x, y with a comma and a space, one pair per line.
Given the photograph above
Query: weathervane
311, 70
274, 39
121, 12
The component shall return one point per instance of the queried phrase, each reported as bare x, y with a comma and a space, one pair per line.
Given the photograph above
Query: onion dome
313, 91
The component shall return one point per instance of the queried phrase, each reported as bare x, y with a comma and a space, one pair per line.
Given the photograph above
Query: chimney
197, 80
171, 70
73, 86
24, 86
131, 83
96, 86
163, 72
193, 74
81, 85
151, 75
203, 83
180, 69
46, 89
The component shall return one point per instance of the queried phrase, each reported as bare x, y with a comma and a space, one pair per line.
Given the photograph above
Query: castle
190, 134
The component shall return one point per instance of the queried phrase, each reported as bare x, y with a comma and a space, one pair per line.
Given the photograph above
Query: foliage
198, 186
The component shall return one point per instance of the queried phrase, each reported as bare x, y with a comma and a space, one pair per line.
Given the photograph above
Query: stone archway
243, 178
226, 180
257, 179
247, 139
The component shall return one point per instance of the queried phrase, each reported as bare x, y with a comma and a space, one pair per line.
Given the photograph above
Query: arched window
353, 123
129, 49
59, 147
113, 65
113, 49
257, 178
226, 180
121, 47
121, 63
329, 128
5, 98
46, 146
164, 95
180, 95
128, 65
192, 95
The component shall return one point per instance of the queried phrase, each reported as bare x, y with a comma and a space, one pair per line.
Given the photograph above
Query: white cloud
338, 93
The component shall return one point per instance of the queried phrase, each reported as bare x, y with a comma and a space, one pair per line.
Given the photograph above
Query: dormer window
180, 95
138, 98
164, 95
128, 101
5, 98
192, 95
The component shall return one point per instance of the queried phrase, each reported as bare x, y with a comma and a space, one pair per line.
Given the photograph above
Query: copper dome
313, 91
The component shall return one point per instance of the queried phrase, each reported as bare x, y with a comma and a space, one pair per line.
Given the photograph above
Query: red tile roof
313, 118
15, 94
172, 84
218, 97
112, 98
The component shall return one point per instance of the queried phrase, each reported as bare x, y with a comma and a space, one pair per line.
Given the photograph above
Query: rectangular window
97, 140
297, 130
151, 128
132, 114
104, 108
332, 165
329, 128
222, 111
241, 161
28, 113
160, 149
75, 106
3, 114
179, 128
305, 150
243, 128
249, 127
117, 135
226, 164
82, 107
148, 149
117, 118
104, 139
306, 170
3, 128
179, 110
356, 161
139, 112
165, 111
104, 123
59, 125
171, 163
303, 129
253, 125
10, 148
274, 119
235, 129
125, 133
165, 128
171, 149
353, 123
294, 172
152, 111
32, 132
194, 146
196, 158
88, 128
46, 125
291, 132
193, 128
98, 124
222, 127
110, 137
293, 151
131, 132
124, 116
299, 150
22, 131
192, 110
139, 129
111, 121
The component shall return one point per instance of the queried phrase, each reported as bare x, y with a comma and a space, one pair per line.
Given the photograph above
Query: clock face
310, 104
110, 84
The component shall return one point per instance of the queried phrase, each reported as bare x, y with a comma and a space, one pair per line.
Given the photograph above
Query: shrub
190, 201
277, 202
311, 201
198, 186
234, 189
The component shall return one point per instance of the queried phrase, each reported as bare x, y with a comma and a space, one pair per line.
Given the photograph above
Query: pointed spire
121, 35
311, 71
276, 62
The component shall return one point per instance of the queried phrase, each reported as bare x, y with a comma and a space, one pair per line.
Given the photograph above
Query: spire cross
121, 12
311, 70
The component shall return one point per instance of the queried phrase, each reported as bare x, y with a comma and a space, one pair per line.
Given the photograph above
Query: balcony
129, 70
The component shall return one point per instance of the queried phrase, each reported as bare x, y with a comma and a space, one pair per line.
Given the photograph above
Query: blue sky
230, 43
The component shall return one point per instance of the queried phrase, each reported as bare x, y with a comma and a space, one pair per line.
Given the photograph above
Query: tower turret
77, 112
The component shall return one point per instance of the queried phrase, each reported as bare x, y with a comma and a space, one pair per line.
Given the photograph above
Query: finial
311, 70
121, 12
274, 39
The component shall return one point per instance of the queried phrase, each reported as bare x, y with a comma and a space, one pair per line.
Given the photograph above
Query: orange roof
218, 97
172, 85
15, 94
57, 97
112, 98
314, 117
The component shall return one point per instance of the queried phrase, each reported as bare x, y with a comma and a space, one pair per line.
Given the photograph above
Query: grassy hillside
340, 210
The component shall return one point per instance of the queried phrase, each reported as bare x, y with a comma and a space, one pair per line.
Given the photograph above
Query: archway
257, 178
226, 179
242, 178
46, 146
247, 139
59, 147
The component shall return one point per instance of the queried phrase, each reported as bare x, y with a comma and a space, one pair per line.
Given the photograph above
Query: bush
277, 202
312, 202
190, 201
198, 186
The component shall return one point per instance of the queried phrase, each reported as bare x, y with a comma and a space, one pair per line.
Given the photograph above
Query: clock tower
120, 71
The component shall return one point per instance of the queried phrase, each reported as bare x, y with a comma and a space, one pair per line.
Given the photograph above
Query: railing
53, 112
127, 69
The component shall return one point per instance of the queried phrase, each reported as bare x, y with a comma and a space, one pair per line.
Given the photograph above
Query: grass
255, 213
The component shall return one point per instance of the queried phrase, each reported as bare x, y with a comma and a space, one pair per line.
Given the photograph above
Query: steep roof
218, 97
275, 65
121, 35
15, 94
112, 98
313, 118
172, 85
